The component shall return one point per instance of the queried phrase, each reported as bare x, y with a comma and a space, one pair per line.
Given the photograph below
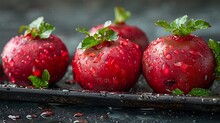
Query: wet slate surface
69, 14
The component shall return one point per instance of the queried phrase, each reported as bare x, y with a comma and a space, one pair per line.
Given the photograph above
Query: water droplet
103, 93
28, 57
214, 100
109, 62
35, 71
36, 60
40, 48
46, 51
124, 43
195, 53
11, 62
176, 52
182, 65
168, 56
166, 68
14, 117
206, 77
92, 70
121, 51
80, 121
78, 114
115, 80
31, 116
98, 58
165, 51
46, 114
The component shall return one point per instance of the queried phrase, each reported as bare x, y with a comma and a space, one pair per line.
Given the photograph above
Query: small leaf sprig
182, 27
121, 15
40, 82
38, 28
215, 47
102, 35
193, 92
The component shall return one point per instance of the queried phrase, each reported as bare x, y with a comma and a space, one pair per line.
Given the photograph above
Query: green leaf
107, 23
111, 35
199, 92
177, 91
215, 46
181, 27
121, 15
101, 35
36, 23
45, 30
45, 75
200, 24
83, 30
40, 83
22, 28
38, 28
89, 42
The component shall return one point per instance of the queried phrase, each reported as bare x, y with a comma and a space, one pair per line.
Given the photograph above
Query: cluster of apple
113, 55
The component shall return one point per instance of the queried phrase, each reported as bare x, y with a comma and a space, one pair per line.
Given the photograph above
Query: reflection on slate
70, 14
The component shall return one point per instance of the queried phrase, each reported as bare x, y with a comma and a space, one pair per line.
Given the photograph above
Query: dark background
66, 15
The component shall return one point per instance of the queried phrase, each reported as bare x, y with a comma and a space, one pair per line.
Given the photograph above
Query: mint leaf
181, 27
102, 35
199, 92
45, 75
38, 28
40, 83
83, 30
215, 46
89, 42
111, 35
45, 30
107, 24
36, 23
177, 91
121, 15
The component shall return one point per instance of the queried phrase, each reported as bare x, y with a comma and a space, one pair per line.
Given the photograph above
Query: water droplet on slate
78, 114
80, 121
46, 114
14, 117
31, 116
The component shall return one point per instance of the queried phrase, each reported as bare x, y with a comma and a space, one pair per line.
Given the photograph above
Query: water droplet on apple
182, 65
98, 58
168, 56
166, 68
121, 51
92, 70
11, 62
35, 71
124, 43
206, 77
195, 53
176, 52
